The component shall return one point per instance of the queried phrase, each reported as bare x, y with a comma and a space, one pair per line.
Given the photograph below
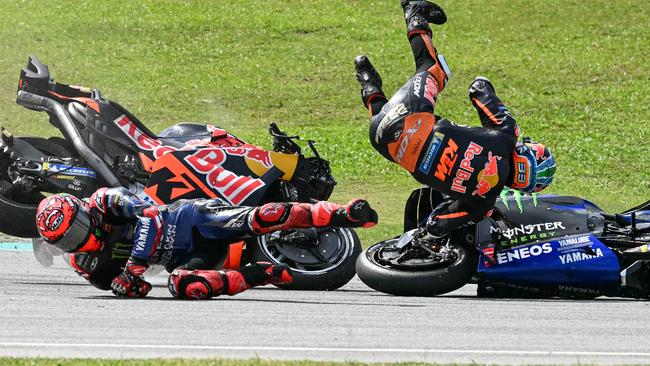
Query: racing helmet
534, 166
64, 221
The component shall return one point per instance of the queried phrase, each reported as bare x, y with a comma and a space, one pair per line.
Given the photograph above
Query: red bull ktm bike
103, 144
532, 246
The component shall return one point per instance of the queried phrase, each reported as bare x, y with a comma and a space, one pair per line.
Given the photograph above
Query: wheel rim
415, 258
331, 248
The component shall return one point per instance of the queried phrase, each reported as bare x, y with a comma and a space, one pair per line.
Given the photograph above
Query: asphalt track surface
51, 312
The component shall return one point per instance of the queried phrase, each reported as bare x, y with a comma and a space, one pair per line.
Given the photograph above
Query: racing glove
131, 283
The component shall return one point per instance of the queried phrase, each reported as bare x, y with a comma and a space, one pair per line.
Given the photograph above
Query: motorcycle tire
415, 283
342, 246
17, 212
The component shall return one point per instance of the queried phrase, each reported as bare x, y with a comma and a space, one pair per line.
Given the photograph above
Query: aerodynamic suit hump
471, 165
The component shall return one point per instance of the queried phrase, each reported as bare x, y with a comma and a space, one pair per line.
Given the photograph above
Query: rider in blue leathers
116, 236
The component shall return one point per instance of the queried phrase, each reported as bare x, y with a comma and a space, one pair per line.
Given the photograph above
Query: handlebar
282, 142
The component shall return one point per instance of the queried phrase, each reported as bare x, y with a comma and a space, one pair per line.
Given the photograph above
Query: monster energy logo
517, 196
121, 251
527, 233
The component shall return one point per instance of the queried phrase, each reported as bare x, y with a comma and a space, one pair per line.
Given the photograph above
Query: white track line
325, 349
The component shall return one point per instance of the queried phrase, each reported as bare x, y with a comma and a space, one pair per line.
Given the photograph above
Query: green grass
216, 362
574, 72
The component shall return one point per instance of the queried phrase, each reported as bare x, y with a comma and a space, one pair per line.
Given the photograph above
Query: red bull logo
257, 155
465, 171
488, 177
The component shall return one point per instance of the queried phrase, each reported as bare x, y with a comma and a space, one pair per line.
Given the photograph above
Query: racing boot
357, 213
488, 105
418, 15
205, 284
264, 273
368, 77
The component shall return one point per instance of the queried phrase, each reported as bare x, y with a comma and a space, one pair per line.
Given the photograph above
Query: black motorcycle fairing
35, 78
523, 218
516, 213
23, 149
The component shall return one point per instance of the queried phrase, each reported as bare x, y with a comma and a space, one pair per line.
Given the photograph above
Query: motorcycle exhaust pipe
39, 103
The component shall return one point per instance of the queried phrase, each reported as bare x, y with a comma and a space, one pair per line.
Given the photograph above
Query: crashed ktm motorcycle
105, 145
532, 246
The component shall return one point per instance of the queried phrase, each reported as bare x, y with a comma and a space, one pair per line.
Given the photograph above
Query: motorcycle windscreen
580, 261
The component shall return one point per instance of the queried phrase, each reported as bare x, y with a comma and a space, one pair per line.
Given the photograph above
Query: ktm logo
447, 160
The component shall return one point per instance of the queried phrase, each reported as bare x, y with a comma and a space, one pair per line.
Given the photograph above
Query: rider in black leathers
469, 165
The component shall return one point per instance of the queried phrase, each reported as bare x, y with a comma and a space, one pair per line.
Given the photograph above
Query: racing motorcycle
532, 246
103, 144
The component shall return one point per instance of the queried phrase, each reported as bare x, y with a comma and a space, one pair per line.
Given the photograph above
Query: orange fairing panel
233, 260
87, 101
181, 172
147, 163
260, 161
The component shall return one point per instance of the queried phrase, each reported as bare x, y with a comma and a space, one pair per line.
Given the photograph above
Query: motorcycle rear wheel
418, 278
18, 209
323, 265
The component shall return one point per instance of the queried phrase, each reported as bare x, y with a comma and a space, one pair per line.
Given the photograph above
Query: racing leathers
190, 238
469, 165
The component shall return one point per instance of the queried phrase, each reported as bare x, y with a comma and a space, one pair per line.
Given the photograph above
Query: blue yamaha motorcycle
532, 246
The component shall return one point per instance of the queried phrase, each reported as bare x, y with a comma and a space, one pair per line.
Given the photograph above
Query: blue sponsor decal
71, 170
575, 261
427, 162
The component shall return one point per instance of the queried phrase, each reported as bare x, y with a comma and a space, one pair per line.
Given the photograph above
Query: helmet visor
78, 233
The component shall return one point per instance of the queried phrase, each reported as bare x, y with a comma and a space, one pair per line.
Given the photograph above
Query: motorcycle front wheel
321, 260
416, 271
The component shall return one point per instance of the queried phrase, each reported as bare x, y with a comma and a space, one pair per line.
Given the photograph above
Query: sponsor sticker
527, 233
447, 160
69, 170
465, 171
429, 156
516, 254
431, 91
488, 177
417, 85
